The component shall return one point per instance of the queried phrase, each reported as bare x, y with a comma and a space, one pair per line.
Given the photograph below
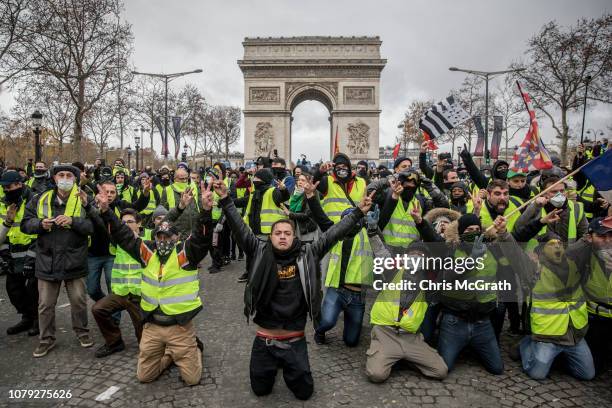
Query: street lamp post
184, 155
167, 78
587, 79
37, 123
137, 141
129, 154
487, 75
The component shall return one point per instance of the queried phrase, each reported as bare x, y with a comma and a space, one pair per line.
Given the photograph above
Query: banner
176, 125
479, 151
498, 124
164, 139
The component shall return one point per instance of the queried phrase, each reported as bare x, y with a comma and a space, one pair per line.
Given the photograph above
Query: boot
34, 331
23, 325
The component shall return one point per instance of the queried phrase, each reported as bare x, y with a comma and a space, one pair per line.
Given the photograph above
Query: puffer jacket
61, 254
308, 261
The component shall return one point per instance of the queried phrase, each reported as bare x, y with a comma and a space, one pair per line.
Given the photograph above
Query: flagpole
526, 203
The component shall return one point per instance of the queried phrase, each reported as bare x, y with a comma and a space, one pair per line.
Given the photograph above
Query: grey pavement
338, 371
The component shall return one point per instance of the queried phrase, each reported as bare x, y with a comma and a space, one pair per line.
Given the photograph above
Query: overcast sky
421, 39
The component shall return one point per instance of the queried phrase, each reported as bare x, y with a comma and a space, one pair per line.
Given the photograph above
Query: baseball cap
601, 225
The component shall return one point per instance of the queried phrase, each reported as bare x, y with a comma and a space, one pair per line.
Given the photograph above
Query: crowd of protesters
308, 237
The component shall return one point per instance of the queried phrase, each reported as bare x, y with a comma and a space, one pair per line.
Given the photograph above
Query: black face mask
362, 173
13, 196
40, 173
407, 193
259, 185
279, 173
448, 186
524, 193
501, 174
342, 174
165, 182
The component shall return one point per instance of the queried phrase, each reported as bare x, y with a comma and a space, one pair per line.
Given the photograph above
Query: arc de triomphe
343, 73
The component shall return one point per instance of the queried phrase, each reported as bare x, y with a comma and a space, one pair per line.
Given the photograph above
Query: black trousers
599, 339
23, 294
267, 359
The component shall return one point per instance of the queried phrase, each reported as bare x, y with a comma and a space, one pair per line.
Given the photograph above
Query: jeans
95, 265
352, 303
538, 356
457, 333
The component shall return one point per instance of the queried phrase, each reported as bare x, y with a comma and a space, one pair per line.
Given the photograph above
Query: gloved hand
28, 267
372, 220
426, 182
479, 247
218, 227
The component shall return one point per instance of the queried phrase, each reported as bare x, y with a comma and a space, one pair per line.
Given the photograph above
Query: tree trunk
506, 144
78, 120
564, 136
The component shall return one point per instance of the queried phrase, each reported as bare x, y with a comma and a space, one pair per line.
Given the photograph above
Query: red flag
336, 143
396, 151
432, 145
532, 154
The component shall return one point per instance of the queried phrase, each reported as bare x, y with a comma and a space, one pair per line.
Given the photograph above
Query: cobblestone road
338, 372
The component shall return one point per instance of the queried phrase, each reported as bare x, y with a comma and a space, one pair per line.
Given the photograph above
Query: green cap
512, 173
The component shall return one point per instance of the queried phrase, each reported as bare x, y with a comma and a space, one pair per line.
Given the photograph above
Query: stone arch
343, 73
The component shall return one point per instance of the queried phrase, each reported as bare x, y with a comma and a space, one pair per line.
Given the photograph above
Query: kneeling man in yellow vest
169, 290
396, 319
558, 316
125, 285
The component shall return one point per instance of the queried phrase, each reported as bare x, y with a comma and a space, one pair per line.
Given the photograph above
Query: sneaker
214, 269
43, 349
319, 338
34, 329
23, 325
85, 341
243, 278
107, 350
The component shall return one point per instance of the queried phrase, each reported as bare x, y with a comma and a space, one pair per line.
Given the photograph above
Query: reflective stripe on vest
73, 205
173, 289
487, 274
552, 306
335, 201
126, 274
14, 235
598, 290
574, 218
269, 213
401, 229
386, 309
360, 264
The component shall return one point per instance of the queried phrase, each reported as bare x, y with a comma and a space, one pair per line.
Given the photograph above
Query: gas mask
554, 251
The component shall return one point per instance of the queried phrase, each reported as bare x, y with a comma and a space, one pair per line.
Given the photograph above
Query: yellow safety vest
555, 303
172, 201
126, 274
488, 275
175, 292
335, 202
359, 267
73, 206
587, 193
401, 229
386, 309
151, 205
269, 213
216, 210
575, 216
14, 235
598, 290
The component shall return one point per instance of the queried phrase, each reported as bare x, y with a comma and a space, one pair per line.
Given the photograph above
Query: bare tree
224, 126
57, 109
472, 100
12, 31
509, 105
83, 45
147, 97
101, 122
410, 131
561, 62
